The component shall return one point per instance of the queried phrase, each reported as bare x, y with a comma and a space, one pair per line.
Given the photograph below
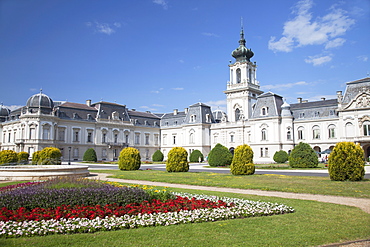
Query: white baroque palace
260, 119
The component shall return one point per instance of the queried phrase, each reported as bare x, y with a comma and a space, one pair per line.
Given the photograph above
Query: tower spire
242, 40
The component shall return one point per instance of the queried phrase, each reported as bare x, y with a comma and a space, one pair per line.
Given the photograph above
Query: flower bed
185, 208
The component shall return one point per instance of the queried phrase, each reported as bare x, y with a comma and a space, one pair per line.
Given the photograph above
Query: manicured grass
310, 185
312, 224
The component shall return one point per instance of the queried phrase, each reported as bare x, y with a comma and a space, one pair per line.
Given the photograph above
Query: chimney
175, 111
305, 101
340, 96
322, 98
186, 110
299, 100
88, 102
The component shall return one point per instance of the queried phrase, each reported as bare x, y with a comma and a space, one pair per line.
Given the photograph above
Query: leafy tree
8, 157
219, 156
50, 156
242, 163
36, 157
129, 159
281, 156
23, 157
177, 160
90, 155
303, 156
346, 162
158, 156
195, 155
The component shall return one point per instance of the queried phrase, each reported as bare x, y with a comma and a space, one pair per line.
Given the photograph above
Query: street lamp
69, 155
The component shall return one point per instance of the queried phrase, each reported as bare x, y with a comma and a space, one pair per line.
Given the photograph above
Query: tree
281, 156
90, 155
8, 157
242, 163
50, 156
195, 155
177, 160
346, 162
219, 156
303, 156
23, 157
129, 159
36, 157
158, 156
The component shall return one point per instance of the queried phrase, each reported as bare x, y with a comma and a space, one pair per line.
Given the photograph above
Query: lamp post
69, 155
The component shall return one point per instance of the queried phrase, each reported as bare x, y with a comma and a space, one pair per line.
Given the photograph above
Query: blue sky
160, 55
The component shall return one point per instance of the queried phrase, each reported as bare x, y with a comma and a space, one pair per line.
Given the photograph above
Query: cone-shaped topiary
242, 163
129, 159
303, 156
177, 160
219, 156
23, 157
50, 156
281, 156
8, 157
158, 156
195, 155
90, 155
346, 162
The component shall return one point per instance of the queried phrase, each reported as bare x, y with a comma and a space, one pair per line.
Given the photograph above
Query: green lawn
312, 224
310, 185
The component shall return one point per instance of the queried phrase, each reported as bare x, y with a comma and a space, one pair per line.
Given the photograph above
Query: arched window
300, 133
191, 138
331, 130
263, 134
366, 127
237, 114
289, 135
250, 75
264, 111
316, 132
350, 131
238, 76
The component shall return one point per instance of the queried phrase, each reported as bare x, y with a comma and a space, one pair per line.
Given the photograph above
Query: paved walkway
361, 203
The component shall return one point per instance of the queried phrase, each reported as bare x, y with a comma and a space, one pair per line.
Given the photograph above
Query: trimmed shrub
129, 159
8, 157
50, 156
346, 162
158, 156
90, 155
219, 156
281, 156
36, 157
23, 157
242, 163
303, 156
195, 155
177, 160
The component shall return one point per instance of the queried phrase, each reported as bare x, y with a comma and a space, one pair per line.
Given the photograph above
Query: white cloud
217, 105
14, 107
163, 3
210, 34
104, 28
154, 91
286, 85
157, 105
318, 60
363, 58
302, 30
178, 88
319, 97
181, 61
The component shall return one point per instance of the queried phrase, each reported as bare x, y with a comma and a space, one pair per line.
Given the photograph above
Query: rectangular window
300, 134
266, 152
89, 136
332, 133
156, 140
231, 138
164, 139
261, 152
366, 129
115, 138
76, 134
174, 140
61, 135
32, 133
137, 138
126, 138
146, 139
316, 134
75, 153
104, 138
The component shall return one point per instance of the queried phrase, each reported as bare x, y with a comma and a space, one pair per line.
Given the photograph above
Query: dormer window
264, 111
193, 118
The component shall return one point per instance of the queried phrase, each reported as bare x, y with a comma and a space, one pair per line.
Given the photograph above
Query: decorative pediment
361, 101
363, 119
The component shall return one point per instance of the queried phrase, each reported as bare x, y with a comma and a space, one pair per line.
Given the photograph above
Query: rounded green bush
8, 157
158, 156
346, 162
281, 156
90, 155
219, 156
23, 157
50, 156
242, 163
177, 160
36, 157
195, 155
129, 159
303, 156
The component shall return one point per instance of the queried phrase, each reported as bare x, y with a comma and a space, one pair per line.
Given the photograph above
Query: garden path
361, 203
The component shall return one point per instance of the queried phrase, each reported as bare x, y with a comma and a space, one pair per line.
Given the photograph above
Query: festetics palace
260, 119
